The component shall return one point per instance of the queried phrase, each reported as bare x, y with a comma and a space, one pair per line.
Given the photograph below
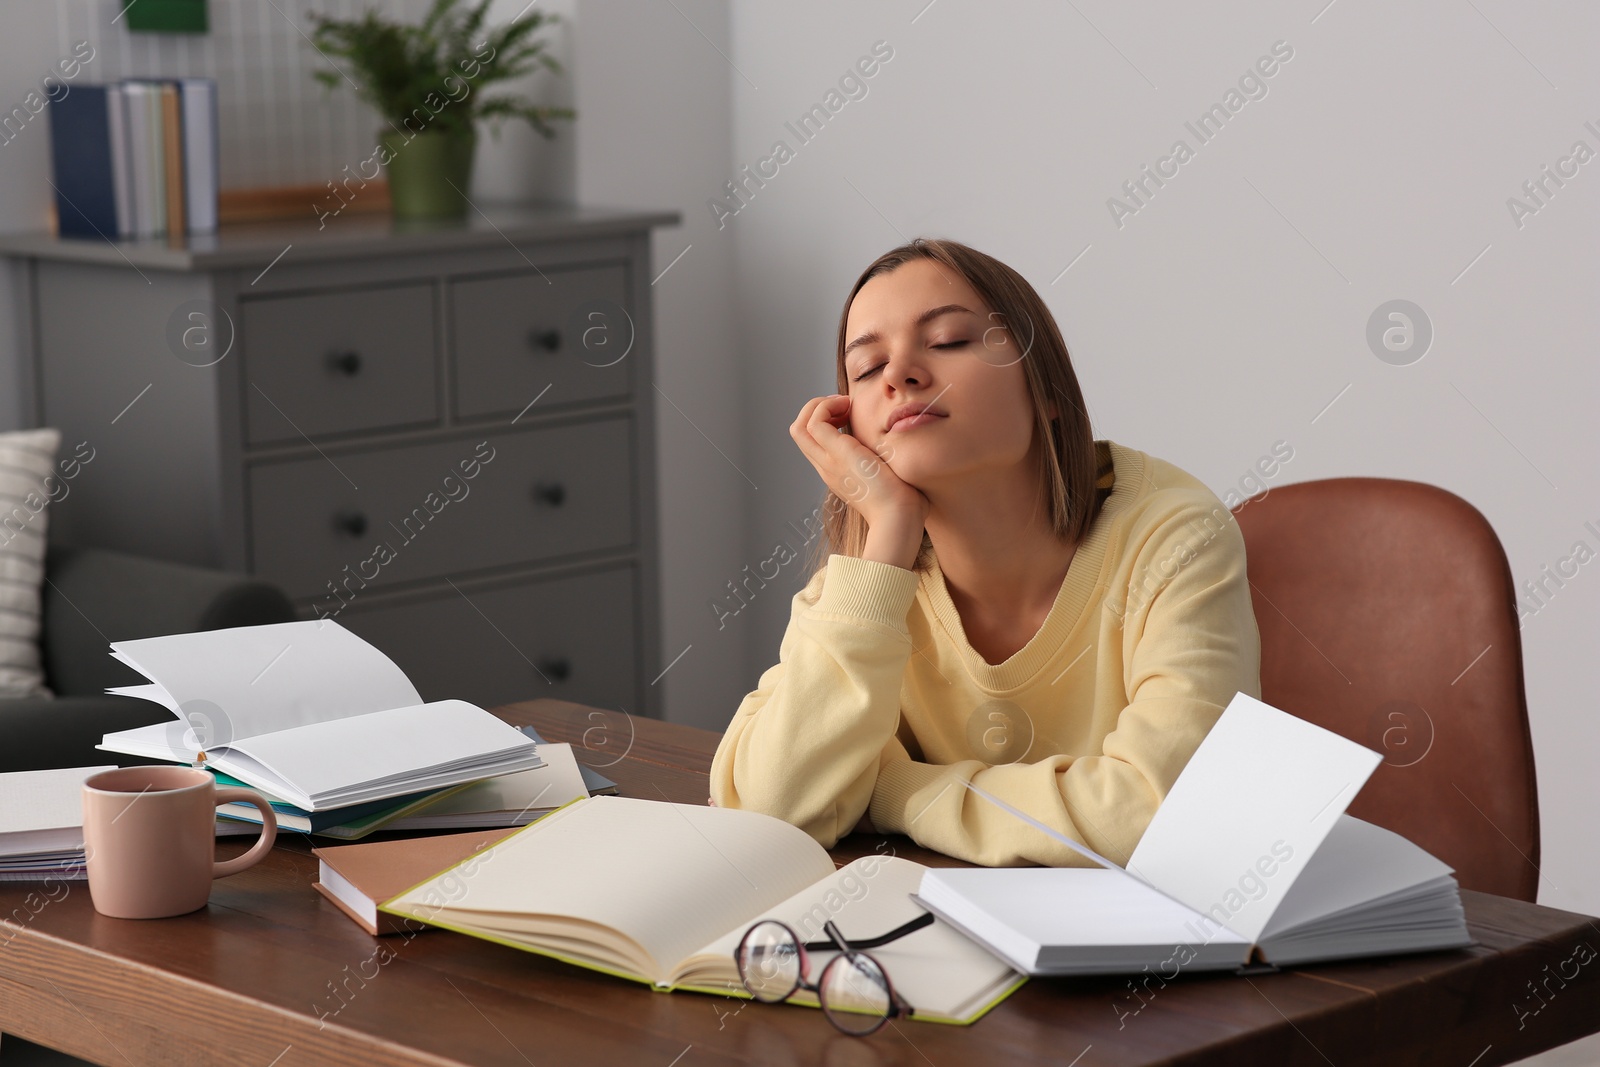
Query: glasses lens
855, 993
769, 962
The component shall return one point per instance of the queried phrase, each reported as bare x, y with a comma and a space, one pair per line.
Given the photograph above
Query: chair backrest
1388, 615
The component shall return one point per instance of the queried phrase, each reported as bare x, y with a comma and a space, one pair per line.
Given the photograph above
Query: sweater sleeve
806, 743
1191, 646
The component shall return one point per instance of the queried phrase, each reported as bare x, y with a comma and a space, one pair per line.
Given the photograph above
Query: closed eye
874, 370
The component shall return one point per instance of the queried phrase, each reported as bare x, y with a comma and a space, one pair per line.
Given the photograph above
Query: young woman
1005, 600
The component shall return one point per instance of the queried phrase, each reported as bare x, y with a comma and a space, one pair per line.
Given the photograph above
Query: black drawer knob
549, 340
353, 523
552, 493
555, 668
346, 363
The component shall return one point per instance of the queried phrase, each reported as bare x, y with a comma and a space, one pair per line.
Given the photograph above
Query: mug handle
269, 832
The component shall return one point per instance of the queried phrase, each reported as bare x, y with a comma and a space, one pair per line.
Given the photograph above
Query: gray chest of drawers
439, 435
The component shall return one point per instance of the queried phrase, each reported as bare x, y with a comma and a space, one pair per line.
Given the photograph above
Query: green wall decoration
168, 16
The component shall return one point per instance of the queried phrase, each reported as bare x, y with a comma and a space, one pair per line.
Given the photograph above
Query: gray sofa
93, 597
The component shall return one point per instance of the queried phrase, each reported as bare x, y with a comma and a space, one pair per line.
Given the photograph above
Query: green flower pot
429, 172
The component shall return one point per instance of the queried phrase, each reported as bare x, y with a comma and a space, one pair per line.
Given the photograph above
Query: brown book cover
377, 870
172, 156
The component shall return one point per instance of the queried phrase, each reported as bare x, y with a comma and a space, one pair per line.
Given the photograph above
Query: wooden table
252, 978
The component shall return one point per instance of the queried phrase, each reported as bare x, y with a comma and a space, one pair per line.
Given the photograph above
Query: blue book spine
81, 161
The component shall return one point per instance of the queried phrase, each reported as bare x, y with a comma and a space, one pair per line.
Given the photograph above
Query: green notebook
662, 893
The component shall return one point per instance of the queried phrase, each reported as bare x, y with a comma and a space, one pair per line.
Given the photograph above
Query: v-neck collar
1126, 477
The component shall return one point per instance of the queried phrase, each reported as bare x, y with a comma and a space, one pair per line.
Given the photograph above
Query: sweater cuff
905, 789
868, 590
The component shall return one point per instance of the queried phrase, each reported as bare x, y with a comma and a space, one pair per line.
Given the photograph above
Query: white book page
339, 754
150, 692
1248, 812
1082, 849
43, 800
161, 740
253, 680
1073, 906
1357, 863
670, 876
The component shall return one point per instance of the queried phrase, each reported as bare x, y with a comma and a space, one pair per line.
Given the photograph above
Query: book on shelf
508, 800
142, 175
349, 824
41, 823
314, 716
172, 158
662, 893
81, 162
135, 158
1249, 859
201, 173
355, 878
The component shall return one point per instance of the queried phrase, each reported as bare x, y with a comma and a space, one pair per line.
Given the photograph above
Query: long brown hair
1067, 475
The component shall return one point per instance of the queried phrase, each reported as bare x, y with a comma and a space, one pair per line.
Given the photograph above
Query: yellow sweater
878, 699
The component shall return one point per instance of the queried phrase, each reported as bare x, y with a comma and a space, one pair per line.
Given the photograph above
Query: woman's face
920, 336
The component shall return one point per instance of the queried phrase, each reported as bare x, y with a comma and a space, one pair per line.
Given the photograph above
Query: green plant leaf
433, 72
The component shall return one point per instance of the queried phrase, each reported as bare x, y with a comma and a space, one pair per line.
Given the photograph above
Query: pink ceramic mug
150, 834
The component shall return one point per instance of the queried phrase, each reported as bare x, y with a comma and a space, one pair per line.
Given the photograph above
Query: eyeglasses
853, 989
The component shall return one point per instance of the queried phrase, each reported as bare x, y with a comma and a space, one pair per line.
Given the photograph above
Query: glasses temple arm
838, 943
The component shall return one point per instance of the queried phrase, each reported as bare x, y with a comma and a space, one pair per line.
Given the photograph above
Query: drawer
570, 638
332, 528
514, 335
331, 363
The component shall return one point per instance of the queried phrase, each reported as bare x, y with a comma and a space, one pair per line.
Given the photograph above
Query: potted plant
428, 82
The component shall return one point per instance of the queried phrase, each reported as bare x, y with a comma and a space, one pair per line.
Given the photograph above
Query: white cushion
27, 460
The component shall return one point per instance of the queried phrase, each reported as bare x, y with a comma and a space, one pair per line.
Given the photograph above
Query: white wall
1229, 311
654, 127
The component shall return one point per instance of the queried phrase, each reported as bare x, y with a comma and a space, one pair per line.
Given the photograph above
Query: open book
662, 893
309, 713
1250, 857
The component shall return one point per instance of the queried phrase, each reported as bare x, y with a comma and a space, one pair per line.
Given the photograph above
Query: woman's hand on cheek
855, 473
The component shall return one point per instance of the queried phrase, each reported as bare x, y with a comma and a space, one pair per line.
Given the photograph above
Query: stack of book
41, 823
135, 158
349, 823
326, 726
506, 800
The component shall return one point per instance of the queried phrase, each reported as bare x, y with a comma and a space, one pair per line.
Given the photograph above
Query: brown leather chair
1388, 615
